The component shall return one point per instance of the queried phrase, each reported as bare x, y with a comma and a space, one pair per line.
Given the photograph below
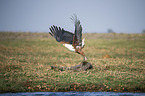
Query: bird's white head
83, 43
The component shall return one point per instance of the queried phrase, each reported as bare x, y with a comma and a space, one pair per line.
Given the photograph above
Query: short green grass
25, 60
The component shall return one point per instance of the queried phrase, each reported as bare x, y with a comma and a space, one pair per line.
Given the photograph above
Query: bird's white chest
70, 47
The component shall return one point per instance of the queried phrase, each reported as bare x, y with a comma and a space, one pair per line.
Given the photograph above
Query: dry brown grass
25, 63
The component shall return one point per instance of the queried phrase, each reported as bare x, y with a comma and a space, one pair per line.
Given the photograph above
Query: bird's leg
85, 58
78, 49
82, 53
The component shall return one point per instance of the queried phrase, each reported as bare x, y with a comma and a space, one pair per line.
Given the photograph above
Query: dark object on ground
84, 66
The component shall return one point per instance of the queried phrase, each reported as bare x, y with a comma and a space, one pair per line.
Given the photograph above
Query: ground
118, 63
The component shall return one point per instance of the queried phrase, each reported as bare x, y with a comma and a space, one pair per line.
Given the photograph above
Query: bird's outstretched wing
78, 28
61, 35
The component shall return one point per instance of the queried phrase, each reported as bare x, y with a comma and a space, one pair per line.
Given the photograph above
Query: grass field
118, 63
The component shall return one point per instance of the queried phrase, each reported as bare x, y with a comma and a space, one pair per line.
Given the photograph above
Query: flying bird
72, 41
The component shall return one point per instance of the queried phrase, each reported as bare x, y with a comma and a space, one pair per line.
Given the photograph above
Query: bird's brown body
73, 42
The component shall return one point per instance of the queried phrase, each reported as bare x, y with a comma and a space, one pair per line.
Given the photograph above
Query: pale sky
127, 16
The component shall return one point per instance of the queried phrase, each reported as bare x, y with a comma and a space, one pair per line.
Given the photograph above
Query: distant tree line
143, 31
111, 31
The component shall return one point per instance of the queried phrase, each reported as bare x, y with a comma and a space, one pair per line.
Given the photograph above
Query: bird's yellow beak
63, 44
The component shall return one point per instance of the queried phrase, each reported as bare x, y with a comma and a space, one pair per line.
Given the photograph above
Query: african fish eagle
71, 41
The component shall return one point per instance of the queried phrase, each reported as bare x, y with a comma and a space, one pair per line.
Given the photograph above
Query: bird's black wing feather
78, 28
61, 35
